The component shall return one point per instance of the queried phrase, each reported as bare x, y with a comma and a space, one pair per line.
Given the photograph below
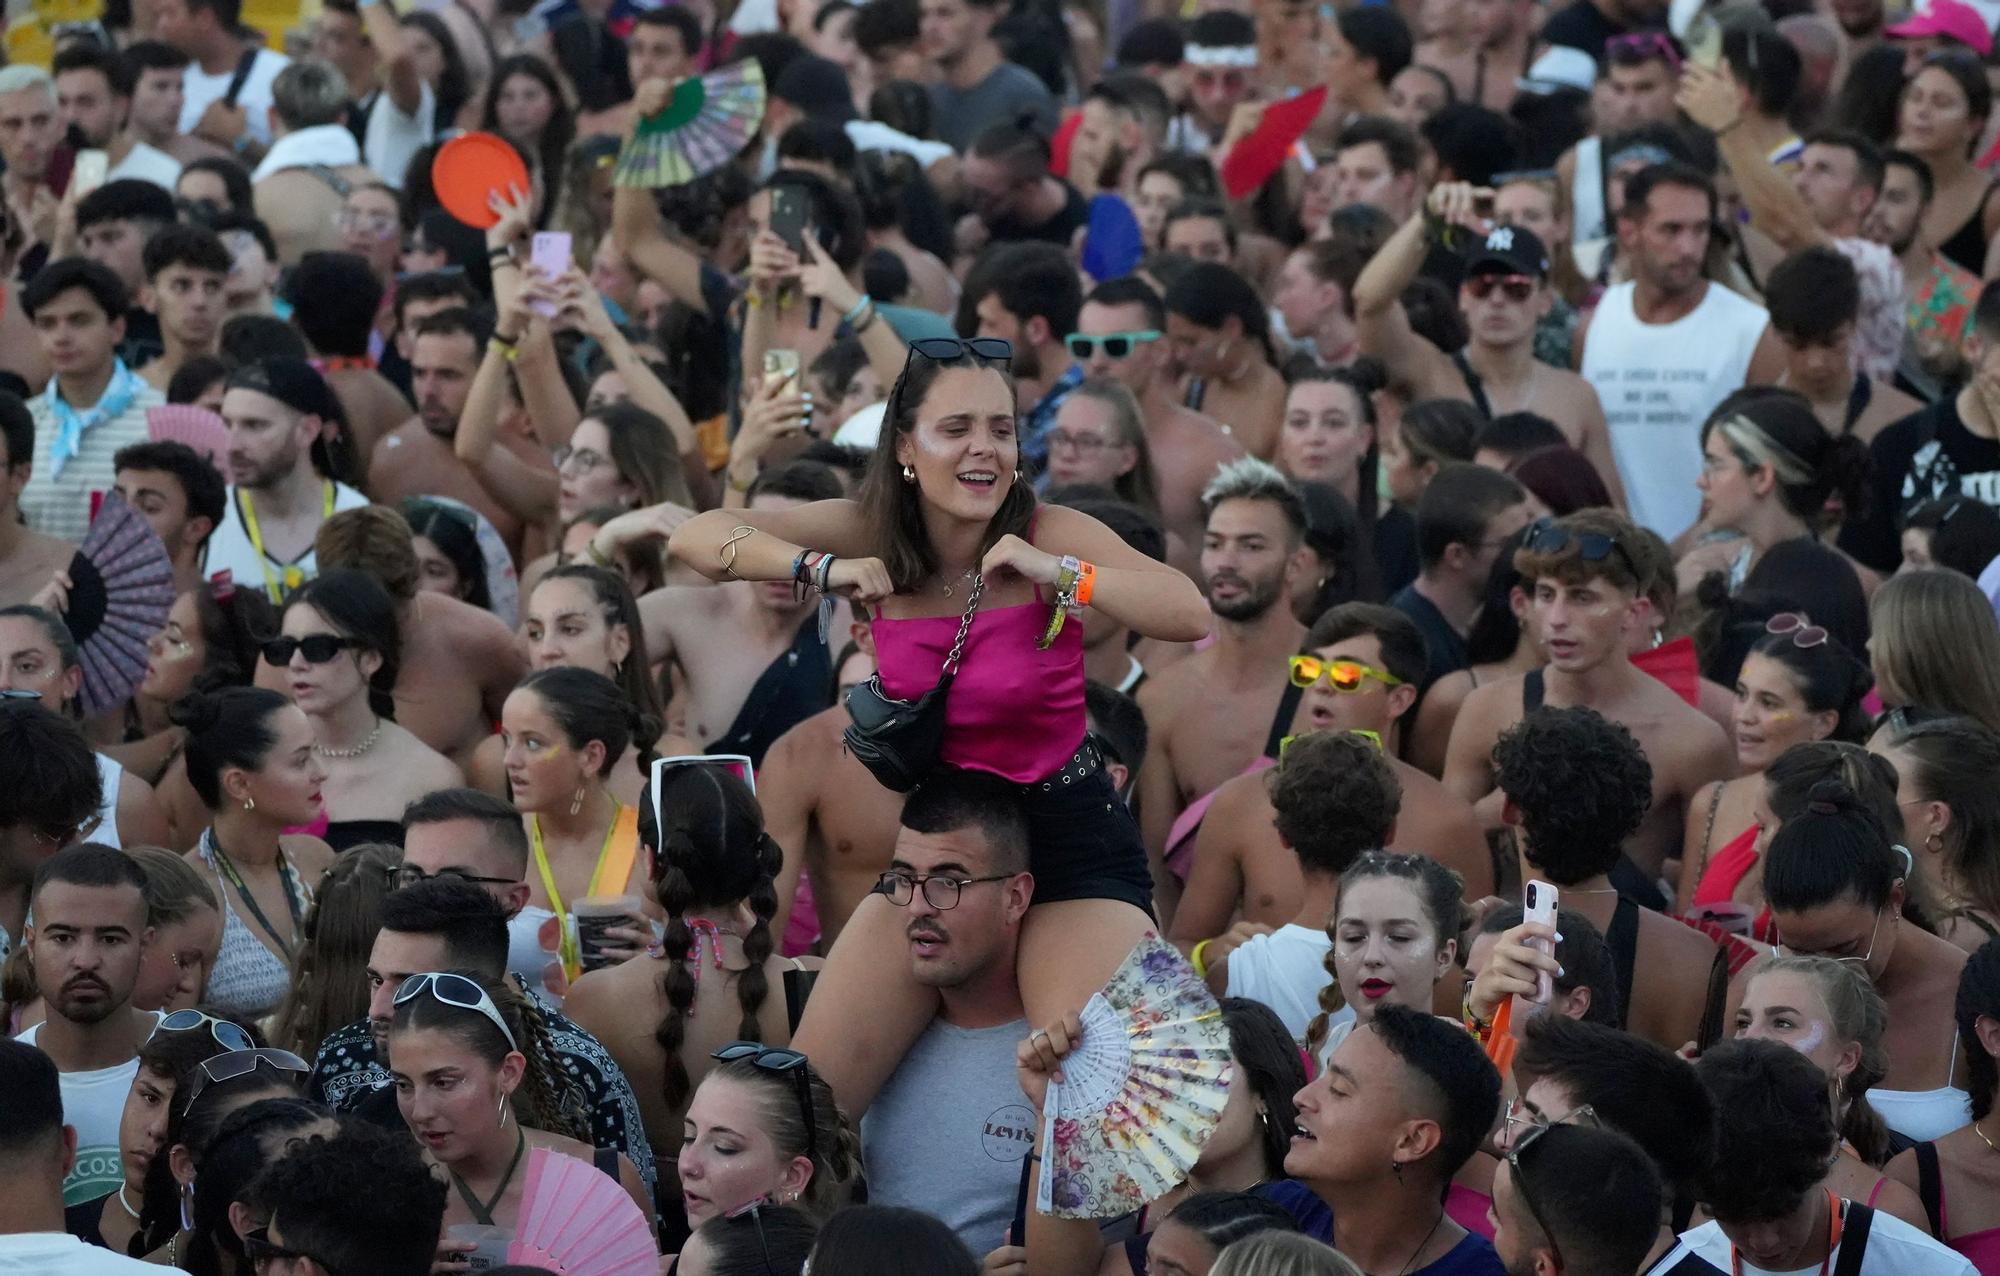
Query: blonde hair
1859, 1015
1935, 643
1277, 1253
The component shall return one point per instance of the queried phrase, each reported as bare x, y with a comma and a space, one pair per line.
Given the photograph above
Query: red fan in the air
121, 588
197, 427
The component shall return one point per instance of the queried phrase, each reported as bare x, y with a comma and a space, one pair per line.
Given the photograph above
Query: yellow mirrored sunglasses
1341, 675
1285, 745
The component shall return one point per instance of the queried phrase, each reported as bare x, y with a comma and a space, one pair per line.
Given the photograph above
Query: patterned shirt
1943, 306
1037, 421
347, 1071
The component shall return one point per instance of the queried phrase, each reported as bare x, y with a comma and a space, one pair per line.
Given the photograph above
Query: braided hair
710, 851
546, 1099
1441, 892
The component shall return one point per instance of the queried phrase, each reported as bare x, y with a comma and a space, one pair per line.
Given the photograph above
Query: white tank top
109, 774
1658, 383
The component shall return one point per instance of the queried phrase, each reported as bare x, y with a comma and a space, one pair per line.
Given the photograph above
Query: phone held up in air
549, 254
1538, 904
788, 217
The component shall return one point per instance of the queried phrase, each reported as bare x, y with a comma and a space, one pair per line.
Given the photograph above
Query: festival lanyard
274, 585
1833, 1226
571, 960
286, 879
482, 1211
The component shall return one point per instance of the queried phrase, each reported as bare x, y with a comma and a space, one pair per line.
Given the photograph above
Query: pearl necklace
357, 750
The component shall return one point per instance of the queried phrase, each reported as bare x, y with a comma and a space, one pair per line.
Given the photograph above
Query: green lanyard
286, 879
482, 1211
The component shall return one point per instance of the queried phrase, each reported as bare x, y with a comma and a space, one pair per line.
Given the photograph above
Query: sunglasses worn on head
1585, 1115
226, 1034
1372, 737
241, 1063
455, 990
1643, 46
318, 648
1342, 675
944, 350
1546, 537
262, 1252
1803, 632
1117, 345
784, 1063
400, 875
1516, 287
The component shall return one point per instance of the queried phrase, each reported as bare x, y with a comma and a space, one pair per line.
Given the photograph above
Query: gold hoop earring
909, 474
576, 803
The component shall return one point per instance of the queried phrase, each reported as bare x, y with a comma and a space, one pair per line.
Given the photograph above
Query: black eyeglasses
400, 875
1549, 537
318, 648
241, 1063
944, 350
262, 1252
784, 1063
940, 892
1585, 1115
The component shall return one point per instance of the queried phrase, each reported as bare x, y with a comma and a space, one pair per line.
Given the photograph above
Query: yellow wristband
505, 350
1196, 959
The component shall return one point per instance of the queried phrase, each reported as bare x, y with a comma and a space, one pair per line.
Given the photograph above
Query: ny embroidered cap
292, 382
1509, 250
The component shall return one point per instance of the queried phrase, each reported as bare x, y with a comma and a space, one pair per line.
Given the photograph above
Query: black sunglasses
1585, 1115
318, 648
784, 1063
1546, 537
944, 350
400, 875
262, 1252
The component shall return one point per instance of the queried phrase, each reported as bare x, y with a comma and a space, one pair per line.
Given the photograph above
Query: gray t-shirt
947, 1134
961, 115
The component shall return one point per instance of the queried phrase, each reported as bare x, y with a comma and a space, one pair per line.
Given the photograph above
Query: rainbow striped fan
121, 588
1141, 1093
708, 122
578, 1220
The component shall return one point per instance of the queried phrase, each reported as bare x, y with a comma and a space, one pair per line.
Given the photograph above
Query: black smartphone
788, 217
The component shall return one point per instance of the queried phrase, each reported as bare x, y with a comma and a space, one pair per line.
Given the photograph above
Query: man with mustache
1214, 713
88, 932
948, 1131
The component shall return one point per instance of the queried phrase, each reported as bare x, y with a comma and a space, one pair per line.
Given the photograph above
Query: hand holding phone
550, 255
1538, 905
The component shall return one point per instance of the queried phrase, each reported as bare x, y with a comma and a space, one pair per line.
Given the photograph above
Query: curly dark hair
1335, 797
1779, 1136
1581, 783
390, 1229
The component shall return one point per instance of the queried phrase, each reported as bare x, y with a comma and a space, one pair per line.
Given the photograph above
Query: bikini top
1981, 1248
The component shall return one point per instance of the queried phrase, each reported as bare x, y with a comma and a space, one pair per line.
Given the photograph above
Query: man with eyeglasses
86, 939
454, 923
1504, 293
278, 413
1273, 845
37, 1149
1118, 335
1589, 608
1568, 1071
1577, 1200
947, 1133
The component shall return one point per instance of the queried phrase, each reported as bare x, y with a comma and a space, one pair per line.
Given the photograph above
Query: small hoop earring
249, 804
187, 1208
576, 803
1018, 476
909, 474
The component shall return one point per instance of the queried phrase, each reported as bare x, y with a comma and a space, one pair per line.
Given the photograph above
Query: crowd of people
1396, 500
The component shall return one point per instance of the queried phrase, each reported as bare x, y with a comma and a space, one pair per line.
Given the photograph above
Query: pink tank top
1014, 711
1981, 1249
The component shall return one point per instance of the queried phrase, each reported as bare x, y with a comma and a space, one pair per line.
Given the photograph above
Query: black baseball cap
1509, 250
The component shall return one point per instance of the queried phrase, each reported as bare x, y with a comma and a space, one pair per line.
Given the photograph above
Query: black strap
1281, 725
1622, 938
1930, 1187
242, 76
1853, 1238
1533, 689
1857, 402
1473, 385
606, 1161
333, 179
1710, 1029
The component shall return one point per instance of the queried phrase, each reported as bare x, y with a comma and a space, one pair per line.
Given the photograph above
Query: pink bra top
1981, 1249
1013, 711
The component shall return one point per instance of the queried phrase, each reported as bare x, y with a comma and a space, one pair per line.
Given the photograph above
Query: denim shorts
1083, 842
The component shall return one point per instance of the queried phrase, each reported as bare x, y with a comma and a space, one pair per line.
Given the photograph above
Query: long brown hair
892, 508
330, 981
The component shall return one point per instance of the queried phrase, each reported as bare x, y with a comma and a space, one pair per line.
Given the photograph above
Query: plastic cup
596, 914
492, 1243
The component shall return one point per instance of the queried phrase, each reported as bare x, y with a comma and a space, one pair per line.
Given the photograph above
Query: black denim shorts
1083, 842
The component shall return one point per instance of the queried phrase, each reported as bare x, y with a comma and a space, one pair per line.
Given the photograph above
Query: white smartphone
549, 254
92, 167
1538, 904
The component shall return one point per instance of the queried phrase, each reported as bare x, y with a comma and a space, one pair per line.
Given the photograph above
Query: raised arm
1380, 322
401, 80
642, 386
635, 219
821, 278
1709, 99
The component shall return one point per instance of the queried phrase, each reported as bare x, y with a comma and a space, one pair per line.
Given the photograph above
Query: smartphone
780, 366
1538, 904
549, 254
1704, 41
788, 217
89, 172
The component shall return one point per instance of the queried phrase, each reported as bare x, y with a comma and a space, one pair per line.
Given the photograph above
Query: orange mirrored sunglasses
1341, 675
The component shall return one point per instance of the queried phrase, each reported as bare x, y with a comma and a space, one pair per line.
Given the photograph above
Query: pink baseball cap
1953, 19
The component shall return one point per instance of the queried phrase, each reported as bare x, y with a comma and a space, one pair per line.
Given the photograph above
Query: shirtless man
417, 458
1211, 715
1586, 590
27, 558
1505, 292
1243, 870
335, 301
1575, 785
830, 817
1187, 447
459, 662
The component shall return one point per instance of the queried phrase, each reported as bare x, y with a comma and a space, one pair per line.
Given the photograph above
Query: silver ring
1040, 1032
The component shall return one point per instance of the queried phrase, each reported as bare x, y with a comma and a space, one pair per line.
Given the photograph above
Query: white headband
1241, 55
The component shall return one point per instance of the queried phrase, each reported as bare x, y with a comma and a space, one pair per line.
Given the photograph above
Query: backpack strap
1855, 1223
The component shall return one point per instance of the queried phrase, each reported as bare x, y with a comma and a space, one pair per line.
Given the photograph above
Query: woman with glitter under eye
1395, 935
947, 537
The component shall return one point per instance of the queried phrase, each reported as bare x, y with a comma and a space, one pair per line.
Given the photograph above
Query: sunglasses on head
785, 1063
1643, 46
1117, 345
1372, 737
241, 1063
455, 990
1342, 675
1516, 287
225, 1034
945, 350
318, 648
1804, 633
262, 1252
1585, 1115
1547, 537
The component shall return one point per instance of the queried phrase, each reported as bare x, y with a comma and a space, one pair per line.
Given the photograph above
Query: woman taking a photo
565, 731
1797, 686
947, 536
251, 759
1951, 815
1838, 889
338, 656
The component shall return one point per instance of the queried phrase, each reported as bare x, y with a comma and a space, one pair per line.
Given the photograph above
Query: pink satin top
1981, 1249
1013, 711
